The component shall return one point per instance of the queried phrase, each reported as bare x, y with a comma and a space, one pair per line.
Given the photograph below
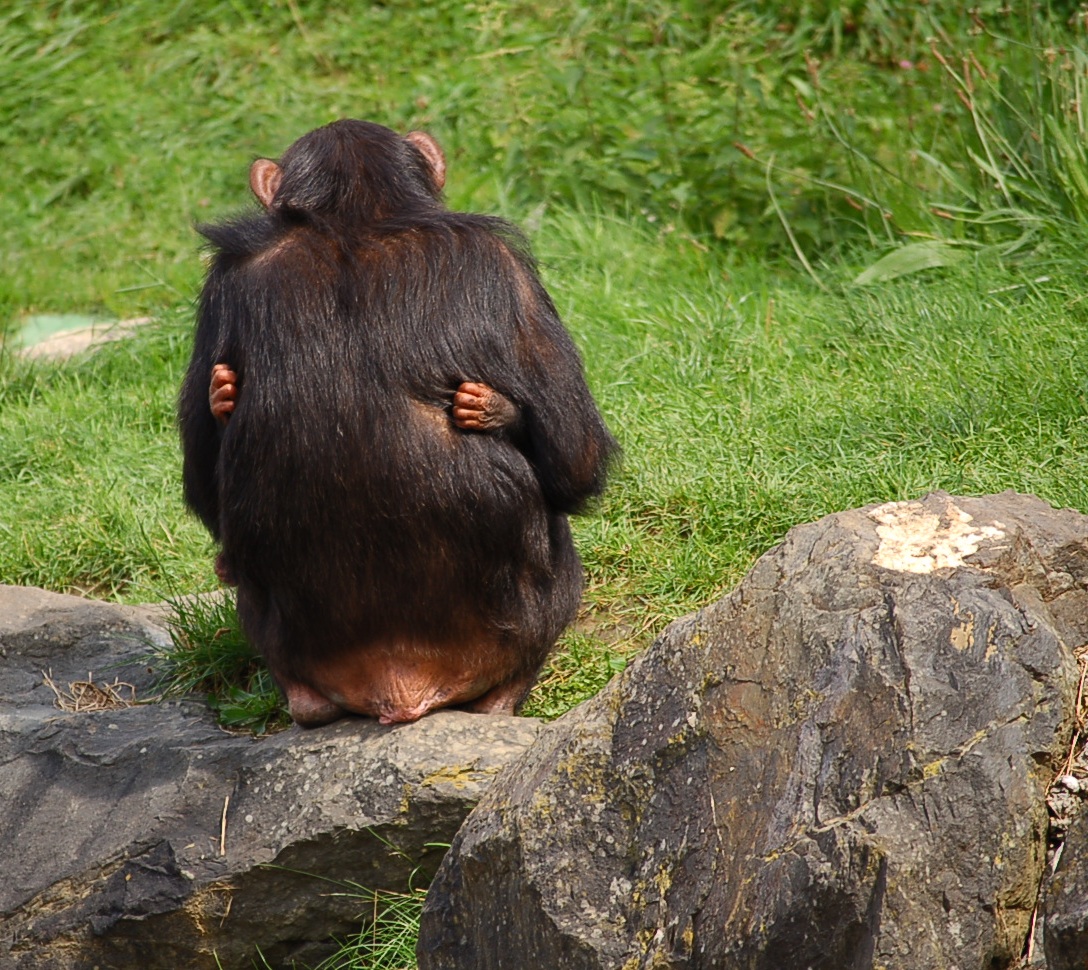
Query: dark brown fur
387, 561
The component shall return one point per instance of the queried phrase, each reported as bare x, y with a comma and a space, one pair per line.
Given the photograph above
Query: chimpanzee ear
435, 158
264, 179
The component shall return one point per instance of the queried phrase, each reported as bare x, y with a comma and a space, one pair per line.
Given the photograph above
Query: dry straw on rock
83, 696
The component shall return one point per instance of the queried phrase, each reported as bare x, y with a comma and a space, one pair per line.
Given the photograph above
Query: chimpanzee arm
200, 432
564, 435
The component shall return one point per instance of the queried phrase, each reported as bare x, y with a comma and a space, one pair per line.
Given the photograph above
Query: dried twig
223, 828
1031, 933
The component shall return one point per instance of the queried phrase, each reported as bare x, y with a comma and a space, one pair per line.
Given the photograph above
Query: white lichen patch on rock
914, 540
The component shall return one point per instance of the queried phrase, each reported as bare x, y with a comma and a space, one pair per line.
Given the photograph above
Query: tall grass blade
912, 258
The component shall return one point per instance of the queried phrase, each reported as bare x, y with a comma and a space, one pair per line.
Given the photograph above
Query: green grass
209, 654
388, 941
122, 124
810, 263
744, 404
89, 471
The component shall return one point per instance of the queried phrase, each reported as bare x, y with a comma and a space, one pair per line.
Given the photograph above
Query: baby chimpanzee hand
223, 392
477, 407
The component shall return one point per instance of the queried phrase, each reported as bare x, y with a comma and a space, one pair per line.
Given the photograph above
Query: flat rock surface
69, 342
147, 836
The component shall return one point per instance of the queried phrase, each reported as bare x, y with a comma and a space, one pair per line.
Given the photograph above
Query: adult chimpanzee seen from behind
409, 427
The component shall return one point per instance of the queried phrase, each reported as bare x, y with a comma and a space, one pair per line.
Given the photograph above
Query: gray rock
76, 340
844, 763
112, 841
1066, 902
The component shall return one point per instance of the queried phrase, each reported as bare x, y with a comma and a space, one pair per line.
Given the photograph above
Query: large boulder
146, 836
844, 763
1066, 902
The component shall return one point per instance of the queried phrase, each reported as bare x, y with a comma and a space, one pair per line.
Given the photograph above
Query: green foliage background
121, 123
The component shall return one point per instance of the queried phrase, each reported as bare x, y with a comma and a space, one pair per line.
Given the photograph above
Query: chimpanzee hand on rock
223, 392
477, 407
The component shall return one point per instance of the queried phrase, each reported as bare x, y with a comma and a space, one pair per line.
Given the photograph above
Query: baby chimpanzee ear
264, 180
435, 158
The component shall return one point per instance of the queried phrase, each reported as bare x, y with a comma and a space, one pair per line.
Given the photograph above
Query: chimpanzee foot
503, 699
308, 708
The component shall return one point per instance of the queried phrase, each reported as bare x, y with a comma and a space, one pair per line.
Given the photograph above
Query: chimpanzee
409, 428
